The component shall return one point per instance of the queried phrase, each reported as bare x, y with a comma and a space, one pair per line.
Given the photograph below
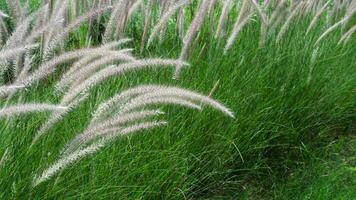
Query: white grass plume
48, 67
56, 117
164, 19
181, 94
121, 98
149, 91
316, 17
14, 52
8, 89
192, 31
117, 70
180, 23
138, 103
26, 67
83, 73
277, 12
18, 35
227, 4
83, 61
39, 32
28, 108
241, 21
118, 10
116, 121
67, 160
108, 47
15, 10
285, 26
148, 16
259, 11
112, 134
347, 36
115, 44
134, 7
60, 37
122, 20
335, 26
4, 157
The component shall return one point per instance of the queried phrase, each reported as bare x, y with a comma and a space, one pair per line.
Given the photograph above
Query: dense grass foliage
292, 136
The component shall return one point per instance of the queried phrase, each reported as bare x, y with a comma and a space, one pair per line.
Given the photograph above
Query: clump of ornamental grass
272, 15
35, 37
128, 112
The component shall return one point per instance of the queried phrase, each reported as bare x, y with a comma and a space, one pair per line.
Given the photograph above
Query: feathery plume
147, 23
38, 32
112, 134
27, 108
346, 36
15, 10
6, 90
56, 117
289, 19
13, 52
118, 10
259, 11
180, 23
122, 21
4, 157
60, 36
65, 162
143, 102
134, 7
118, 120
192, 30
277, 12
222, 19
115, 44
21, 31
316, 17
174, 92
88, 59
337, 24
117, 70
48, 67
164, 19
83, 73
121, 98
241, 21
26, 67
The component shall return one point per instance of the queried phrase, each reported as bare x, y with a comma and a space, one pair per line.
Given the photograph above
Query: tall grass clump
87, 88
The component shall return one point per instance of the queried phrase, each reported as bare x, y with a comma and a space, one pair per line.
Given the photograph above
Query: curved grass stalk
164, 19
192, 31
117, 70
316, 17
28, 108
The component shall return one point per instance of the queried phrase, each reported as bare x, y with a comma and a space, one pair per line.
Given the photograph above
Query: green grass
291, 139
328, 173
